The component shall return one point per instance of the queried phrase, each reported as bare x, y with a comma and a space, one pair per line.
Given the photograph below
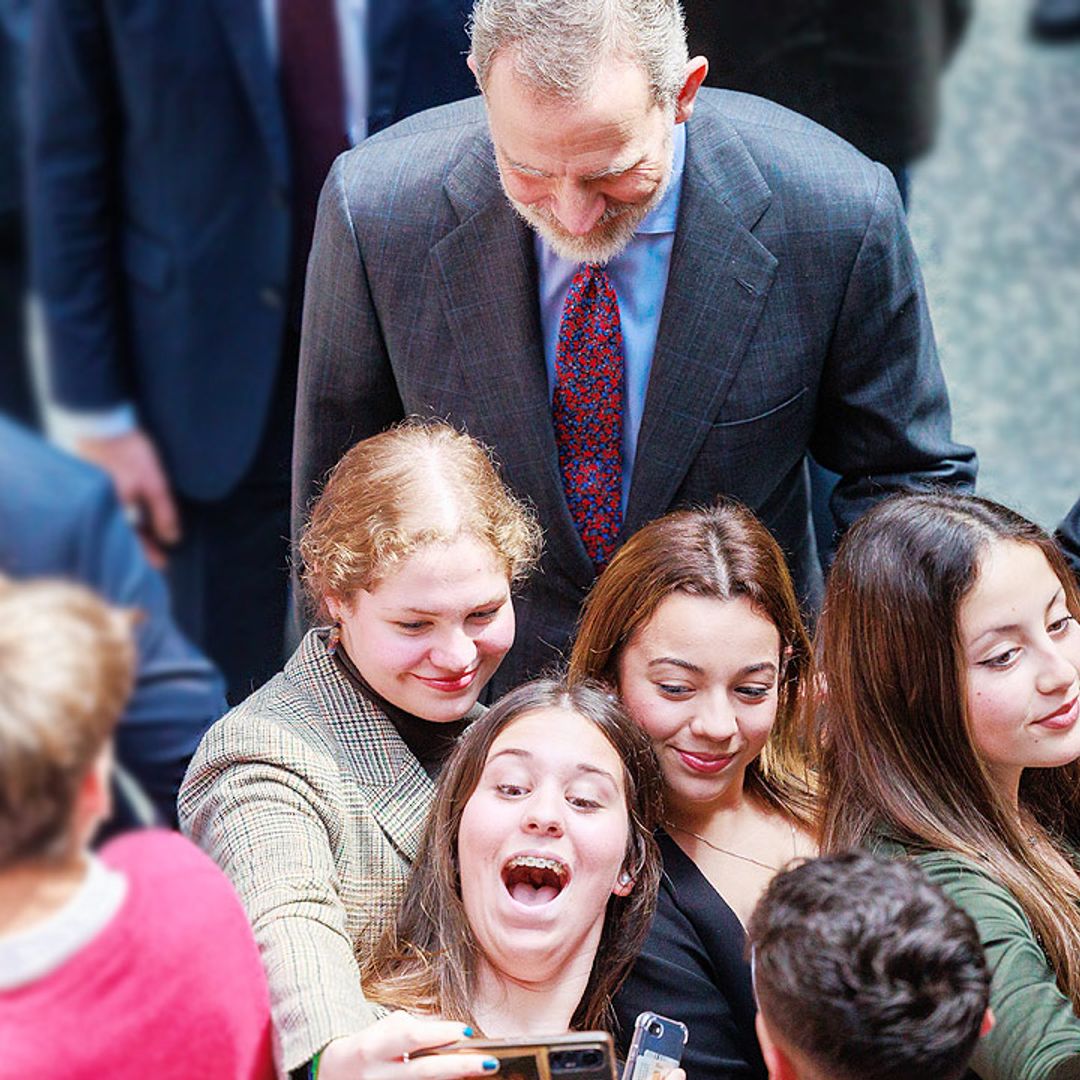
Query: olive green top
1036, 1034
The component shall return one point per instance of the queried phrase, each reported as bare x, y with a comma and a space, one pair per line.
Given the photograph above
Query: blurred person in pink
135, 962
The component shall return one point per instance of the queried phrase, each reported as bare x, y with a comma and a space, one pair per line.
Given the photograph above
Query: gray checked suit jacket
309, 800
794, 319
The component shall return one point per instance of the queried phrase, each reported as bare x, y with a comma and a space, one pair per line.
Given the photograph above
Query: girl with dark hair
695, 623
535, 880
949, 733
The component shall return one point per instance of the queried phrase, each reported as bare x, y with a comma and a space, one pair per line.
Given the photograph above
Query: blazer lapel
489, 291
717, 285
244, 29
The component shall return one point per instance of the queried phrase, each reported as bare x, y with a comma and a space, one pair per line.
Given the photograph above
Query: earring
625, 878
334, 640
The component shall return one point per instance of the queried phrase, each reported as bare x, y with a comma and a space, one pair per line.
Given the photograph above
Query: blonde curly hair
418, 483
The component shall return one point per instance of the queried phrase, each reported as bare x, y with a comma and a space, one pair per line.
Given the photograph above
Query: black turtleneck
429, 741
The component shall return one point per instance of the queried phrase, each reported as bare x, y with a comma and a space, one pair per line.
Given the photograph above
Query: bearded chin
606, 239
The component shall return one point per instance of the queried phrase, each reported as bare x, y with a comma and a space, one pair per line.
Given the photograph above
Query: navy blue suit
160, 225
60, 518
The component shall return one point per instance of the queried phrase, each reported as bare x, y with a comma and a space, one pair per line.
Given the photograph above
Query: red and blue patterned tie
587, 410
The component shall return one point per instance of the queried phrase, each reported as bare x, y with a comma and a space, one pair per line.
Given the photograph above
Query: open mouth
535, 879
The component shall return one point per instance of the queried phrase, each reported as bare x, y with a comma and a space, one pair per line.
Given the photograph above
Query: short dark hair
867, 969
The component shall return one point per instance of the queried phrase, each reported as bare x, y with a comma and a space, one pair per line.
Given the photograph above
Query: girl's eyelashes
1061, 624
754, 693
674, 690
1001, 660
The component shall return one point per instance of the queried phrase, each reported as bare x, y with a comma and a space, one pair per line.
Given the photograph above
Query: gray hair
559, 45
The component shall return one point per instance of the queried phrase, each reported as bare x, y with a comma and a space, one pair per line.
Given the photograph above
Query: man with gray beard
639, 293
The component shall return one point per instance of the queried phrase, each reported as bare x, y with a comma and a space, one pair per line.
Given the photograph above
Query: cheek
496, 639
659, 719
757, 727
525, 189
391, 654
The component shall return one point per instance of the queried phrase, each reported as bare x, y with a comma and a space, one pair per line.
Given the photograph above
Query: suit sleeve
346, 389
73, 219
178, 692
262, 804
884, 422
1036, 1034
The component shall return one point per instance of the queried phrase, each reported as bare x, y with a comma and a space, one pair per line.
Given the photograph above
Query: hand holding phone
656, 1048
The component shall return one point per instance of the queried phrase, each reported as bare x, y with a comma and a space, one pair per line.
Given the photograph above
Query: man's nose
578, 209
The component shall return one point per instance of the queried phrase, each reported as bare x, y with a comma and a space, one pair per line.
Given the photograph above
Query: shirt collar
662, 217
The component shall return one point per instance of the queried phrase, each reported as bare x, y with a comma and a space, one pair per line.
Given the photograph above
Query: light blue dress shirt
639, 277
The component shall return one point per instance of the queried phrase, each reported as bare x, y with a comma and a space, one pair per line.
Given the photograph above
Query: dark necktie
313, 99
587, 410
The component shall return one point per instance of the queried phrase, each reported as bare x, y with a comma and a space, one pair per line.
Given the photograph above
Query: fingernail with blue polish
491, 1064
468, 1033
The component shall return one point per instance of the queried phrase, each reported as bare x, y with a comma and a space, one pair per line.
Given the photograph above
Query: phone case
581, 1055
656, 1048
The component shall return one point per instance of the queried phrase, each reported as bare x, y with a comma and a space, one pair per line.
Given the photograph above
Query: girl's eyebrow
583, 767
1015, 628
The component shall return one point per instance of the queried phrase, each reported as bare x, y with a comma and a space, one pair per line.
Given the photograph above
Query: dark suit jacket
794, 319
60, 518
693, 968
1068, 537
160, 212
869, 72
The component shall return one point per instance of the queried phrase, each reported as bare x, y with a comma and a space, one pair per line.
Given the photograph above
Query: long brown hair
721, 552
897, 753
427, 961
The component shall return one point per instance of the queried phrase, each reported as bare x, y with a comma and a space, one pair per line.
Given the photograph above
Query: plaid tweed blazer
312, 804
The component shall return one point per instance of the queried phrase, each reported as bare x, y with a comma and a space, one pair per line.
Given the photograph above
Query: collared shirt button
271, 296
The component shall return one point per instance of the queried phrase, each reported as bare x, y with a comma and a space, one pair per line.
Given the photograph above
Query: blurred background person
312, 793
16, 397
136, 963
59, 517
1055, 20
176, 152
862, 969
868, 72
695, 622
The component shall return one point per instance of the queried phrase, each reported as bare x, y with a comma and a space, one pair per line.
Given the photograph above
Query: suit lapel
717, 285
246, 34
488, 287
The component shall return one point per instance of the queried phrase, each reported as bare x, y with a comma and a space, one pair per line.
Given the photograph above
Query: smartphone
656, 1048
581, 1055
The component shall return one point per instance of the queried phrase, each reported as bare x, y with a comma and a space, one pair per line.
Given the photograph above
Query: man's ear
694, 76
988, 1022
471, 61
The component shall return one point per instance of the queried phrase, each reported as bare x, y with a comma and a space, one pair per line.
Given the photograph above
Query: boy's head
67, 663
863, 968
